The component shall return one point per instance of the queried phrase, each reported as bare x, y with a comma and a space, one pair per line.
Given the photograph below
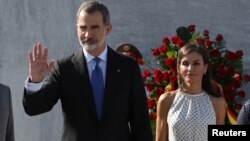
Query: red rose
140, 61
180, 43
221, 70
155, 52
152, 116
241, 94
146, 73
191, 28
199, 40
163, 49
230, 71
238, 106
215, 53
174, 39
166, 41
165, 76
169, 61
151, 103
159, 91
205, 32
157, 76
219, 38
239, 54
208, 42
236, 84
173, 78
149, 87
230, 55
237, 77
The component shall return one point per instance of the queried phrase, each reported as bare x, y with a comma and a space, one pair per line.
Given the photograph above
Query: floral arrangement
226, 67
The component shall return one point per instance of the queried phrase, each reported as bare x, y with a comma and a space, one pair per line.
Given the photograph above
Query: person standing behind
6, 114
244, 114
184, 114
117, 111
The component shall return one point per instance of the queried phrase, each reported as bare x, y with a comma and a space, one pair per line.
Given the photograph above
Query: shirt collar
102, 56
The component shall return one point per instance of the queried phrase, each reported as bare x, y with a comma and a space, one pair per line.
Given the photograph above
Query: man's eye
82, 28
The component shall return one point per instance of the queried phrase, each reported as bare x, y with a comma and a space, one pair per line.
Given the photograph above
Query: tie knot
96, 60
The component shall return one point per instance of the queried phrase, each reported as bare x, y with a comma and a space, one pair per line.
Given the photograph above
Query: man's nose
88, 33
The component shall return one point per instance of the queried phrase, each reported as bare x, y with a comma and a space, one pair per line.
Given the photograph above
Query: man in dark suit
6, 115
118, 112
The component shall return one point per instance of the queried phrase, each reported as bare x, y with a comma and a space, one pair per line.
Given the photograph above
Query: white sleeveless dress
189, 117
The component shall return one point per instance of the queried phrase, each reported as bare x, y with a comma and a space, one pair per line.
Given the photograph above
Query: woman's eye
185, 64
196, 64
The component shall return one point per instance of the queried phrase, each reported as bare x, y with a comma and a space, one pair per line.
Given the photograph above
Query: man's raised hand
38, 65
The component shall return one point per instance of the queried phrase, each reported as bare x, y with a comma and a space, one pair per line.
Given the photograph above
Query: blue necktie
97, 86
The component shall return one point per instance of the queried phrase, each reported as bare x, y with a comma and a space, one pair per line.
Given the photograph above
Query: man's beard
88, 45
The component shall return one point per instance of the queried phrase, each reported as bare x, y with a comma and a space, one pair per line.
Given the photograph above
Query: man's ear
109, 28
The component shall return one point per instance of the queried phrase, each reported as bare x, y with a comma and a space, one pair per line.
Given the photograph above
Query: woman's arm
163, 106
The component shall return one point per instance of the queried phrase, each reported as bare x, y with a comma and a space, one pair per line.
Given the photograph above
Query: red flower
205, 32
149, 87
180, 43
230, 55
155, 52
215, 53
163, 49
169, 61
191, 28
208, 42
174, 39
146, 73
241, 94
237, 106
151, 103
237, 77
239, 54
139, 61
199, 41
219, 38
165, 41
152, 116
165, 76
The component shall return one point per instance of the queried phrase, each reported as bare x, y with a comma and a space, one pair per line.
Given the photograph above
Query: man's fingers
51, 64
45, 54
39, 51
30, 56
35, 51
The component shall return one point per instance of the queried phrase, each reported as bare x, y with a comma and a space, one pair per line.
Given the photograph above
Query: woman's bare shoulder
218, 101
167, 97
219, 104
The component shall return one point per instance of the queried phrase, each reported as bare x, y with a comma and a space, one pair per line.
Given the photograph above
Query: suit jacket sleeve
140, 123
43, 100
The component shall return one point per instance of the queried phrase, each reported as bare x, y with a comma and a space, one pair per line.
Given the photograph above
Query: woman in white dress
184, 114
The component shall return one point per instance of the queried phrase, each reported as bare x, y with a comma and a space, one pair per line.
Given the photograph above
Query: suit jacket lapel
111, 72
84, 84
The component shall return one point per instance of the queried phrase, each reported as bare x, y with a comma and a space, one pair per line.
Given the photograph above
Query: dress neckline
192, 95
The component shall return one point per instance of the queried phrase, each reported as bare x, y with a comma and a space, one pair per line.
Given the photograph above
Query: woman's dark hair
207, 77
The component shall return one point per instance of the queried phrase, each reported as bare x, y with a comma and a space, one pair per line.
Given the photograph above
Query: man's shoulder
5, 90
3, 86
